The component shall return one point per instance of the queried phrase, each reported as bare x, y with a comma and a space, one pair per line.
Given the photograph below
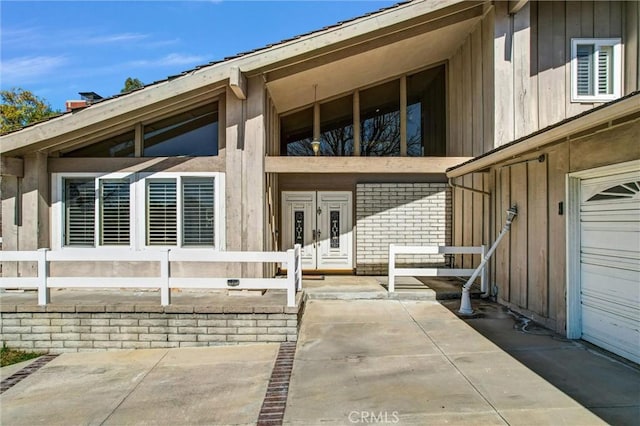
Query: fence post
165, 291
44, 294
483, 278
291, 276
298, 263
392, 267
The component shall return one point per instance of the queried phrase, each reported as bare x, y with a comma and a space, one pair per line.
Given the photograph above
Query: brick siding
400, 213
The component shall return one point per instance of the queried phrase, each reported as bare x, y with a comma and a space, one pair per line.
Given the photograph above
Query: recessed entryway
321, 222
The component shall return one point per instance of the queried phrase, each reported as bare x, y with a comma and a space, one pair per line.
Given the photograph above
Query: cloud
169, 60
25, 69
113, 38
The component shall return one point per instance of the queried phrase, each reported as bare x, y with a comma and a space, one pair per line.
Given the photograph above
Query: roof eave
606, 113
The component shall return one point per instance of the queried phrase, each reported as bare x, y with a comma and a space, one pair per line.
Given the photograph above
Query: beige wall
528, 267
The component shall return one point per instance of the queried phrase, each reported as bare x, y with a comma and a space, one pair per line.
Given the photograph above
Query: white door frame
317, 242
573, 185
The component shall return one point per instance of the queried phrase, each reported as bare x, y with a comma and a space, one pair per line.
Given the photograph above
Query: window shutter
79, 212
114, 212
198, 212
161, 213
605, 70
584, 56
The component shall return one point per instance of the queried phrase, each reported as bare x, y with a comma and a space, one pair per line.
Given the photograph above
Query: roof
98, 99
612, 110
206, 83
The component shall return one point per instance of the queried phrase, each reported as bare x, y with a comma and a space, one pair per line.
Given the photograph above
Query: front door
321, 222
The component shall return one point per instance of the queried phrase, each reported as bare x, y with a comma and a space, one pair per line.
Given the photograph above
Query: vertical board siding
631, 25
503, 252
537, 234
558, 167
519, 230
503, 75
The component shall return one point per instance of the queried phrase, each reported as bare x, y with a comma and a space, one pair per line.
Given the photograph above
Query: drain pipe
465, 301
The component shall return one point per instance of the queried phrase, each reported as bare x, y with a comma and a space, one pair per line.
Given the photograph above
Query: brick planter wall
76, 328
400, 213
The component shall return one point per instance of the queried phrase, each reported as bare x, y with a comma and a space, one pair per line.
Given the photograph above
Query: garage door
610, 263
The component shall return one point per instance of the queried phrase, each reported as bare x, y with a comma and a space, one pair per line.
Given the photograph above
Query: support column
34, 191
253, 174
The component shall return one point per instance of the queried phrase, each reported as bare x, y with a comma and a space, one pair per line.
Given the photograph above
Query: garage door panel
611, 333
610, 263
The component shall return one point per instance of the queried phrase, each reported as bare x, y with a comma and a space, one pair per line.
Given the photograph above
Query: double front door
321, 222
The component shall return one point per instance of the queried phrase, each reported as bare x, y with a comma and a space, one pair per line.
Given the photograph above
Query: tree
21, 107
131, 84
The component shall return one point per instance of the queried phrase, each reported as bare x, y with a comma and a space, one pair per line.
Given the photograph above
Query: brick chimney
87, 98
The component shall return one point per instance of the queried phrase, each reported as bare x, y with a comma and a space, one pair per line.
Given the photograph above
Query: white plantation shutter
162, 222
79, 206
584, 54
114, 213
605, 70
198, 212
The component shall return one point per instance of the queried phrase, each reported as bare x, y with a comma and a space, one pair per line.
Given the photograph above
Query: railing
432, 272
165, 282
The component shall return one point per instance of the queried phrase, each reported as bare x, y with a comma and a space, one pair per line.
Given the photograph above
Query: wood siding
529, 267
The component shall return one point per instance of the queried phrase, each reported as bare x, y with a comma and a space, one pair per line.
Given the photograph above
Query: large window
173, 210
381, 114
596, 69
193, 133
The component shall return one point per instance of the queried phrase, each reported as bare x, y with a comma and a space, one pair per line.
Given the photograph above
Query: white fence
432, 272
43, 282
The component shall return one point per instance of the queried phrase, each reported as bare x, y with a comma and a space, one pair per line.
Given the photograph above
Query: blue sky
59, 48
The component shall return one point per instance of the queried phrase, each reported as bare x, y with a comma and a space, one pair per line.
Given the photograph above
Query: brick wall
98, 331
400, 213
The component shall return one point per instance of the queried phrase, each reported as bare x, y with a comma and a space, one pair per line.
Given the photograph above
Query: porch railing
433, 272
43, 282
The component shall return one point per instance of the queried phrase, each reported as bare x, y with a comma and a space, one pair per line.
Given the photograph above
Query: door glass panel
334, 219
298, 227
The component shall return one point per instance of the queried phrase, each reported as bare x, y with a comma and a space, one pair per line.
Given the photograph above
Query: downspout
465, 301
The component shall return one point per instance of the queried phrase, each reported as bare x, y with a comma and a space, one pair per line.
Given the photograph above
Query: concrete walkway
357, 362
413, 363
207, 386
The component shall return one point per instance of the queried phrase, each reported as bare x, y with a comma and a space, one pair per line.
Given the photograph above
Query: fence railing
432, 272
165, 282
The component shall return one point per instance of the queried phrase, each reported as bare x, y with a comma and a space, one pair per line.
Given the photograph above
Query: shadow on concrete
604, 383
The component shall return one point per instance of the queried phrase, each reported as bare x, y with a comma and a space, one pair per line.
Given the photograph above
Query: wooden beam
11, 166
132, 164
398, 165
238, 83
515, 6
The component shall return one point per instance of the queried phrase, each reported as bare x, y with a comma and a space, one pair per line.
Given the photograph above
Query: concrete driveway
362, 362
357, 362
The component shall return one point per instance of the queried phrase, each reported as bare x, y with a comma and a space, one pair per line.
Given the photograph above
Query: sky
56, 49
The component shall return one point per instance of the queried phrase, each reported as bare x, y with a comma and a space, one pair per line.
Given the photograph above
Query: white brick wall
400, 213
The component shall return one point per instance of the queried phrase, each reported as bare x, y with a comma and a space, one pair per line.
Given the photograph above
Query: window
79, 212
174, 210
596, 71
193, 133
117, 146
387, 126
115, 213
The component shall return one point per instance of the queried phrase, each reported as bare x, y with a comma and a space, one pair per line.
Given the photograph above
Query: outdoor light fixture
315, 145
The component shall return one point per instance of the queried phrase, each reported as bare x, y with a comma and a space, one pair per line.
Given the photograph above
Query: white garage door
610, 263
